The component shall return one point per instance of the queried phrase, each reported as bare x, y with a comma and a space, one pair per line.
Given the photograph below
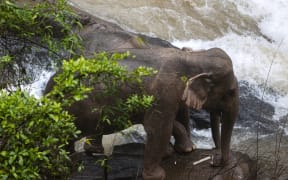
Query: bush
34, 132
79, 77
33, 136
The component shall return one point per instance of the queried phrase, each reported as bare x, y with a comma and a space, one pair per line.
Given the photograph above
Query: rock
79, 145
272, 154
133, 134
126, 163
253, 109
200, 119
181, 167
92, 169
284, 120
100, 35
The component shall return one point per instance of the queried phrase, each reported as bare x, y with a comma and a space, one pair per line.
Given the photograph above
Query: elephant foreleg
215, 129
228, 119
226, 134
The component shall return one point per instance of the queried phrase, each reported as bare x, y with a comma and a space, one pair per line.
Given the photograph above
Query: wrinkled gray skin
211, 85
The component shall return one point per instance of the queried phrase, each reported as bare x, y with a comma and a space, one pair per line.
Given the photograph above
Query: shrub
79, 77
33, 136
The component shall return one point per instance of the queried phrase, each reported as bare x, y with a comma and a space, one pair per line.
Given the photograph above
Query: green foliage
105, 77
118, 115
44, 20
103, 164
33, 34
4, 60
33, 135
79, 77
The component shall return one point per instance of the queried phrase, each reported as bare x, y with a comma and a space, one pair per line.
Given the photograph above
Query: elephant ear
196, 90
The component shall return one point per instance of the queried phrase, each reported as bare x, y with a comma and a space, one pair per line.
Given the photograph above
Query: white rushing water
37, 87
252, 32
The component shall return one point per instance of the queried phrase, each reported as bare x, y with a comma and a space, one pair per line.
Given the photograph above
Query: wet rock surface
272, 155
126, 163
100, 35
254, 112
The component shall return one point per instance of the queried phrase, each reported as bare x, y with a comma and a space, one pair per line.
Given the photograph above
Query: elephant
211, 85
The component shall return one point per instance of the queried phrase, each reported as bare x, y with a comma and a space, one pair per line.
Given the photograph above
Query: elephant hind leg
183, 143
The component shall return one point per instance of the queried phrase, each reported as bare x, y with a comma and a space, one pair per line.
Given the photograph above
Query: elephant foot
185, 147
169, 151
218, 161
156, 173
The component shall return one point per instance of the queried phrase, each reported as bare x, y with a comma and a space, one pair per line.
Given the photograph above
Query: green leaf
3, 153
20, 161
54, 117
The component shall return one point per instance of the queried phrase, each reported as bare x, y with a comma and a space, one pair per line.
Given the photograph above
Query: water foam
272, 17
36, 88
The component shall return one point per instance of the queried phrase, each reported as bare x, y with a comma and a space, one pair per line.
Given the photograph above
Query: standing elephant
211, 85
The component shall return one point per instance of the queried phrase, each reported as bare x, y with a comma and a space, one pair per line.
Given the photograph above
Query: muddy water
173, 19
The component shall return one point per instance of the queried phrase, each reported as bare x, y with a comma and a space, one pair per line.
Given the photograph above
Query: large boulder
99, 35
254, 112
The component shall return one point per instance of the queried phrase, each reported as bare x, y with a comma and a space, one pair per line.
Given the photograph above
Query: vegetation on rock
34, 133
32, 35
